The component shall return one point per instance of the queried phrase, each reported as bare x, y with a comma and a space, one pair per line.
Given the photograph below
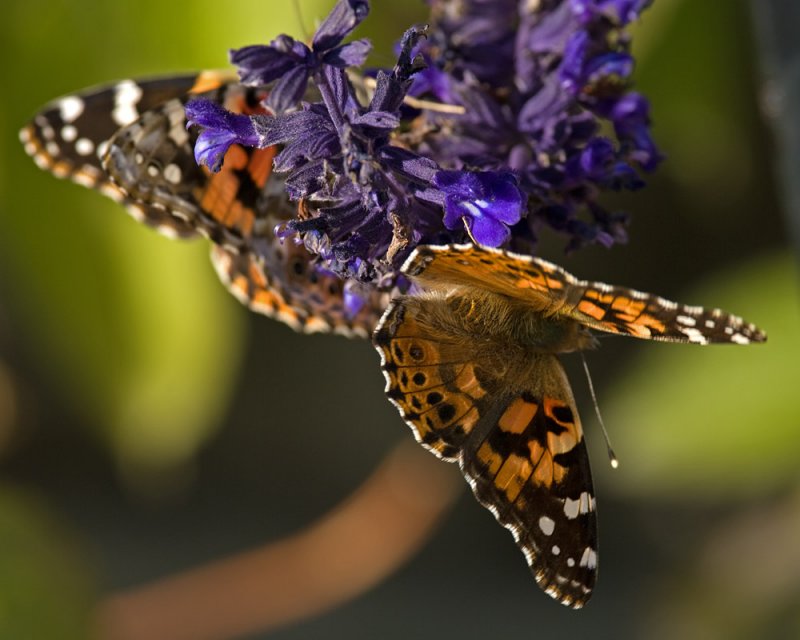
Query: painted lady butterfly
469, 356
129, 141
471, 363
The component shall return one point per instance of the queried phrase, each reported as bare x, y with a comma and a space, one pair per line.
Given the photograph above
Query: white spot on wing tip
70, 108
43, 161
168, 231
84, 179
584, 504
69, 133
589, 558
102, 148
112, 191
127, 94
84, 146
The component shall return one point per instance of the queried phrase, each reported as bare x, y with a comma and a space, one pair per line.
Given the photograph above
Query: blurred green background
148, 423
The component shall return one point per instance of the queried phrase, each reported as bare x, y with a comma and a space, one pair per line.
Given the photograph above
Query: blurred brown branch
349, 550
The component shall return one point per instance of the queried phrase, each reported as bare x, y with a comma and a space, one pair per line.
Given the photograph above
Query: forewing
536, 282
529, 466
644, 315
143, 156
152, 162
70, 136
548, 288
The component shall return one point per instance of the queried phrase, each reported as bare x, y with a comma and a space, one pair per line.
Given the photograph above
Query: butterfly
471, 362
129, 141
469, 352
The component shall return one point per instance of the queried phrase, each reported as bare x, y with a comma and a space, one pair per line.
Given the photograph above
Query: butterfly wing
142, 156
538, 283
547, 288
626, 311
515, 434
307, 299
152, 162
70, 136
529, 466
431, 379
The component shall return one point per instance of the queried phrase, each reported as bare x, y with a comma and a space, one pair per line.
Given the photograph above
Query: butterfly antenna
612, 457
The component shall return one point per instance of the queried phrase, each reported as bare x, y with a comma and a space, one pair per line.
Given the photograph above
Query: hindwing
515, 433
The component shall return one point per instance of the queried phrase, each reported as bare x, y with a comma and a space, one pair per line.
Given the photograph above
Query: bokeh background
150, 424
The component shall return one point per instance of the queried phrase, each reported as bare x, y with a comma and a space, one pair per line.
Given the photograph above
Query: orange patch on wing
421, 378
602, 298
469, 421
444, 414
566, 440
410, 351
529, 281
513, 475
546, 470
517, 416
260, 166
650, 322
207, 81
591, 310
628, 306
219, 198
242, 286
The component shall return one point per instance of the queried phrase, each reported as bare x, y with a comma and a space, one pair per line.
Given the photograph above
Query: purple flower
220, 130
501, 120
488, 203
631, 118
291, 63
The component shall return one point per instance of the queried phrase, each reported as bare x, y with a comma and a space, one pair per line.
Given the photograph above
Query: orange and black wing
547, 288
643, 315
70, 136
518, 441
129, 141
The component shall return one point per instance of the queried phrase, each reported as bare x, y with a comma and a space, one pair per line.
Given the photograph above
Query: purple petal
343, 18
289, 90
610, 64
488, 201
221, 129
631, 118
259, 64
488, 231
378, 120
352, 54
